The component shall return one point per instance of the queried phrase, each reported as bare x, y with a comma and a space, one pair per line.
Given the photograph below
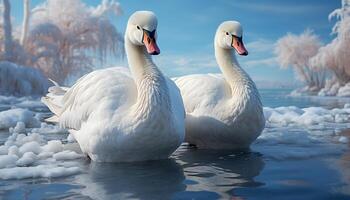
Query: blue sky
186, 30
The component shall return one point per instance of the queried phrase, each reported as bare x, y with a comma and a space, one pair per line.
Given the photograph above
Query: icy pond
303, 153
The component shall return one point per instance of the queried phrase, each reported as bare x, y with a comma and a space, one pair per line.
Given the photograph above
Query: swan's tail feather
56, 89
53, 119
53, 101
56, 109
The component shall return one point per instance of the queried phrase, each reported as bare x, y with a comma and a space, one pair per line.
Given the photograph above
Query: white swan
223, 112
116, 117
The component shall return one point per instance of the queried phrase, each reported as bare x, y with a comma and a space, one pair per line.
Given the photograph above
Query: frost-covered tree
26, 16
20, 80
61, 38
7, 29
336, 55
295, 51
10, 49
68, 38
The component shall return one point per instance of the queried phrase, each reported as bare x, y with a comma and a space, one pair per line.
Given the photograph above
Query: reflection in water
343, 166
219, 171
144, 180
199, 174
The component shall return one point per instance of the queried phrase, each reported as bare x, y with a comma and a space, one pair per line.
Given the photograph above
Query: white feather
117, 116
223, 112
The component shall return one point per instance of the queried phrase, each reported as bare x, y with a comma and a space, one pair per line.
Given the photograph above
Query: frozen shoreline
34, 145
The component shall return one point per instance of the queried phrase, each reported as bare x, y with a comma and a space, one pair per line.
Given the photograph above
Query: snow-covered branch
295, 51
312, 62
76, 31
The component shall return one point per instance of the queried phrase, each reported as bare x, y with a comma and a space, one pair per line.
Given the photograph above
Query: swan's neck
234, 75
152, 90
140, 62
244, 94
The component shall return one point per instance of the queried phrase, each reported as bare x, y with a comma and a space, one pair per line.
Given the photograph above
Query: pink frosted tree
295, 51
68, 38
313, 63
335, 56
16, 79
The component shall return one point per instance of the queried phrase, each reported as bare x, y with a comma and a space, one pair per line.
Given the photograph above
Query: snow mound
32, 155
286, 116
66, 155
21, 102
299, 133
49, 129
332, 88
21, 81
9, 118
344, 91
40, 171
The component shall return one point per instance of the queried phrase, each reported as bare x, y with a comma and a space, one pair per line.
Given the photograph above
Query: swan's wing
201, 90
53, 100
99, 93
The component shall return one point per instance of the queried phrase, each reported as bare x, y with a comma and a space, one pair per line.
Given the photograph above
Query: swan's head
141, 31
229, 35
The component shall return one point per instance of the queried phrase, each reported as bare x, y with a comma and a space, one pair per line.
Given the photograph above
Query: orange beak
150, 42
237, 44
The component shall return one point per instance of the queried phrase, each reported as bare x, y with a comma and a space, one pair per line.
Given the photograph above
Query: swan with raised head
223, 112
116, 116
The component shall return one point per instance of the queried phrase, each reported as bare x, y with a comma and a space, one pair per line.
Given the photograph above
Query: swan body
223, 111
117, 115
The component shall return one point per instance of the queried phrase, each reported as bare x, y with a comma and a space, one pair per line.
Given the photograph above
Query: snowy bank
9, 118
30, 102
285, 116
33, 145
28, 110
334, 89
300, 133
21, 81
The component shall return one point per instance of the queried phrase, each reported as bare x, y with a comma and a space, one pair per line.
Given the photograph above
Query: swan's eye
227, 33
138, 27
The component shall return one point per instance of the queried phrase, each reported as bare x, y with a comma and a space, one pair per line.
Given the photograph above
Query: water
281, 97
270, 170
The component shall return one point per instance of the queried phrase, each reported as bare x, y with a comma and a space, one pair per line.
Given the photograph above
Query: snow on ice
30, 155
35, 149
9, 118
299, 133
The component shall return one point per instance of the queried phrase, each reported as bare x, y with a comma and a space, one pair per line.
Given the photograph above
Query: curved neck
230, 68
152, 91
140, 62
